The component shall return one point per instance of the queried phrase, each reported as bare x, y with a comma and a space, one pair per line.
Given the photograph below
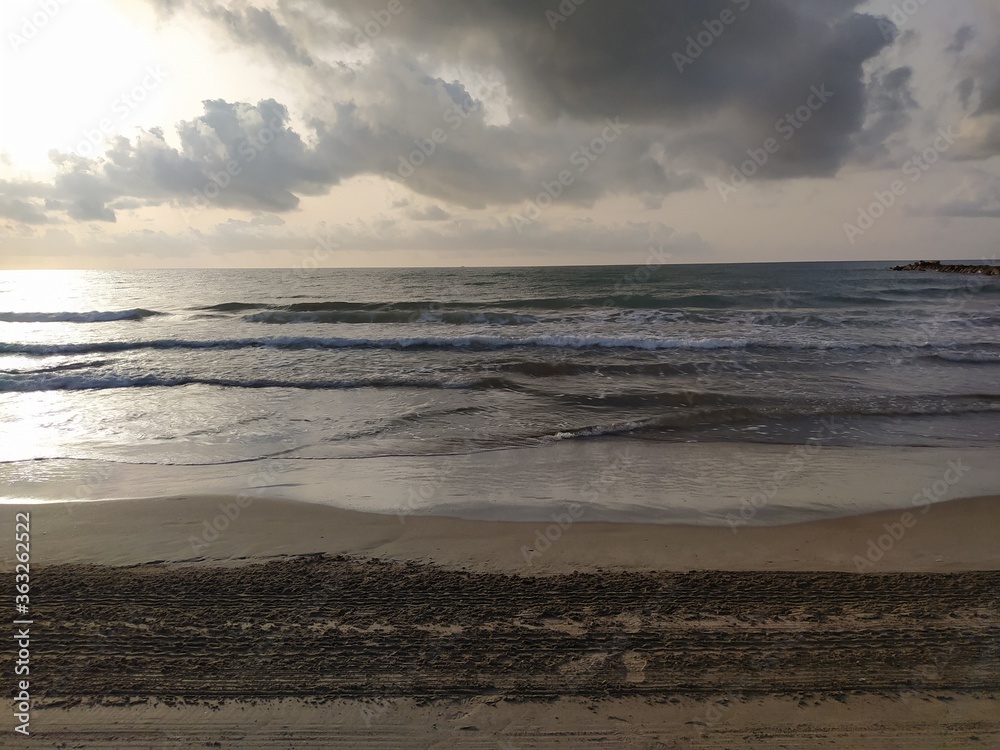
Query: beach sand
295, 625
956, 535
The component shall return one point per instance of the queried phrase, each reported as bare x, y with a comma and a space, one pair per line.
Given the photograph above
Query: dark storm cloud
982, 64
979, 87
989, 102
890, 107
966, 88
980, 56
662, 63
695, 82
963, 36
624, 59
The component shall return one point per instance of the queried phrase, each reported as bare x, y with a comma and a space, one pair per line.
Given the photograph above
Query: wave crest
94, 316
453, 317
484, 343
95, 382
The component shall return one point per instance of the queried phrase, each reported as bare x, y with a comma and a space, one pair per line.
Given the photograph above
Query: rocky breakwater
936, 265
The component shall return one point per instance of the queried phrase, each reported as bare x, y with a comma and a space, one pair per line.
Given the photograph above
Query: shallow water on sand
173, 377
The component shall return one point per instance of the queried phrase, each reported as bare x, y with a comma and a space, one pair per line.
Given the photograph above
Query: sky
342, 133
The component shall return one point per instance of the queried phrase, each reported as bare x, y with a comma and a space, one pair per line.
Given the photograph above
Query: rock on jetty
935, 265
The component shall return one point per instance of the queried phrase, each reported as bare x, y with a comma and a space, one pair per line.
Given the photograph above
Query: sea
772, 392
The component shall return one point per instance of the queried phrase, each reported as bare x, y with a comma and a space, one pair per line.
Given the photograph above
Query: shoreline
616, 481
955, 535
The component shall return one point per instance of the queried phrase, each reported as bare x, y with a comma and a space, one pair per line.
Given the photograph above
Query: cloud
235, 155
979, 86
977, 197
258, 26
385, 241
960, 41
889, 109
681, 105
22, 211
244, 156
603, 62
578, 240
25, 202
967, 210
431, 213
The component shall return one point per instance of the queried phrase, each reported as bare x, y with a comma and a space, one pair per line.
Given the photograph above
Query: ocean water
497, 387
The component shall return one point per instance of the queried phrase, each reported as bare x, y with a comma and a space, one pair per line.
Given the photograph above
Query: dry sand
765, 723
633, 636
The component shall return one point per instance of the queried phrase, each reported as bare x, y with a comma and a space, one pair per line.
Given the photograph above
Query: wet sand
951, 536
263, 641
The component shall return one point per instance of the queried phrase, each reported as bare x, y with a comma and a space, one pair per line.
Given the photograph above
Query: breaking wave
94, 316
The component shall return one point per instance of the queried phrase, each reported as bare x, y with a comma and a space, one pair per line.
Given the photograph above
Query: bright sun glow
47, 291
66, 68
